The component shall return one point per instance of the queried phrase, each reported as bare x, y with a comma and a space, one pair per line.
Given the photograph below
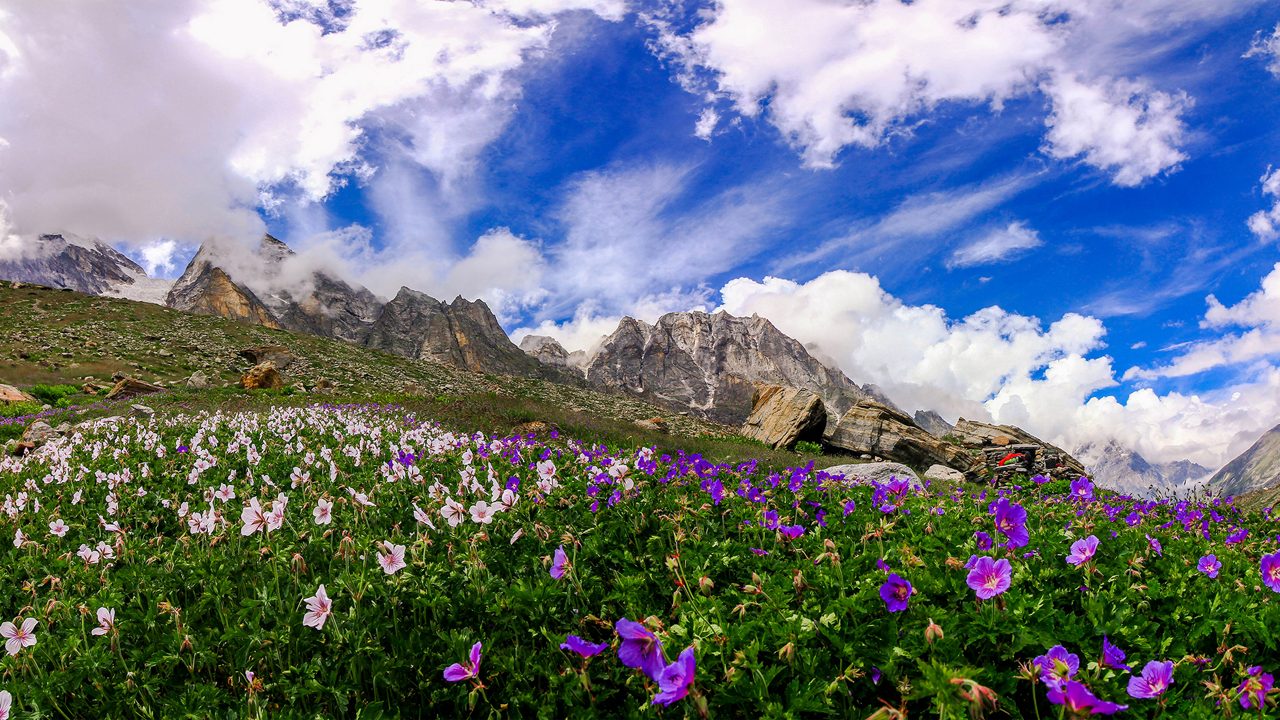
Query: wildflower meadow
358, 561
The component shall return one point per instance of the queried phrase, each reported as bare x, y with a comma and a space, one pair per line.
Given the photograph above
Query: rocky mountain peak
1257, 468
85, 265
544, 349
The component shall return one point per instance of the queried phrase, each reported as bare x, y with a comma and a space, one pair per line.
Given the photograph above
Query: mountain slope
710, 364
206, 289
1257, 468
65, 261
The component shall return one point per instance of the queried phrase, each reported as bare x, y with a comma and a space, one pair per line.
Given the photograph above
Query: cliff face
1257, 468
81, 264
711, 363
206, 289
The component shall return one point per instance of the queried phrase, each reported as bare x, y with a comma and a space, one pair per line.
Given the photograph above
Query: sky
1060, 215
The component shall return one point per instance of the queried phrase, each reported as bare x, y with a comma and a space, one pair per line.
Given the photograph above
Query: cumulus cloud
830, 75
1119, 126
1265, 224
1002, 366
216, 108
1006, 242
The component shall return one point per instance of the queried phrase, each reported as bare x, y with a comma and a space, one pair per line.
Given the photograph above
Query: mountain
1122, 469
85, 265
932, 423
462, 333
709, 364
1257, 468
206, 289
545, 349
318, 303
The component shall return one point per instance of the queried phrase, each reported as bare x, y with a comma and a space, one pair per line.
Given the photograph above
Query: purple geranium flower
640, 648
895, 592
559, 563
1156, 677
458, 672
984, 540
1113, 656
1058, 665
1082, 551
1155, 545
1082, 489
1253, 690
1270, 567
990, 578
575, 644
791, 532
676, 678
1077, 698
1210, 566
1011, 521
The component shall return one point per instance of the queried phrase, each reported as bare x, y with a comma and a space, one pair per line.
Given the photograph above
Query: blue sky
983, 172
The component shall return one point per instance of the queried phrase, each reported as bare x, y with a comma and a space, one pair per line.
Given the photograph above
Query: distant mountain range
705, 364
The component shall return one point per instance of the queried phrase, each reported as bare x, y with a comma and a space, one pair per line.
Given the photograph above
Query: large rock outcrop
463, 333
1257, 468
206, 289
709, 364
997, 442
872, 428
781, 416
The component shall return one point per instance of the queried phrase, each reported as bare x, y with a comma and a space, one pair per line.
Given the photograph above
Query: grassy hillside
55, 337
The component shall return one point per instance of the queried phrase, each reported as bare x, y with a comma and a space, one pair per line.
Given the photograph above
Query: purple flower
882, 565
1210, 566
640, 648
895, 592
791, 532
1082, 489
676, 678
1156, 677
759, 551
990, 578
984, 540
875, 675
559, 563
1077, 698
1082, 551
1253, 690
458, 672
575, 644
1113, 656
850, 506
1058, 665
1039, 479
1270, 567
1155, 545
1011, 521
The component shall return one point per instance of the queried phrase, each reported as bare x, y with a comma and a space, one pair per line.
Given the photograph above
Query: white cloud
830, 75
1119, 126
997, 245
178, 118
1003, 366
1266, 47
1265, 224
157, 258
706, 125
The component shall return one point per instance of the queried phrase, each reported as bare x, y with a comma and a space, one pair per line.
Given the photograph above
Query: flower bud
933, 632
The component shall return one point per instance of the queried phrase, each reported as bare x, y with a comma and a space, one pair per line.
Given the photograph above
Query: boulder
943, 473
198, 381
142, 412
997, 442
876, 429
38, 433
655, 424
128, 388
781, 415
278, 355
881, 472
10, 394
263, 376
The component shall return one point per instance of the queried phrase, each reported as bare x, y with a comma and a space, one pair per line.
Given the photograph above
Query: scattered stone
413, 388
11, 394
198, 381
38, 433
141, 411
780, 416
655, 424
128, 388
263, 376
943, 473
532, 427
298, 387
278, 355
63, 428
162, 352
881, 472
323, 385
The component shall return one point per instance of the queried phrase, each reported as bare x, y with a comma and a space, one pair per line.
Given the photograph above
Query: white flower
482, 512
393, 559
59, 528
16, 638
323, 512
319, 606
106, 621
453, 512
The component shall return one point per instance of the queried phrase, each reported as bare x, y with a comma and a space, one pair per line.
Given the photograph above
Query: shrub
53, 394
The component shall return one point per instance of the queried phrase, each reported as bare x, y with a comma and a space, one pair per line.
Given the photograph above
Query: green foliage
19, 409
53, 394
806, 447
